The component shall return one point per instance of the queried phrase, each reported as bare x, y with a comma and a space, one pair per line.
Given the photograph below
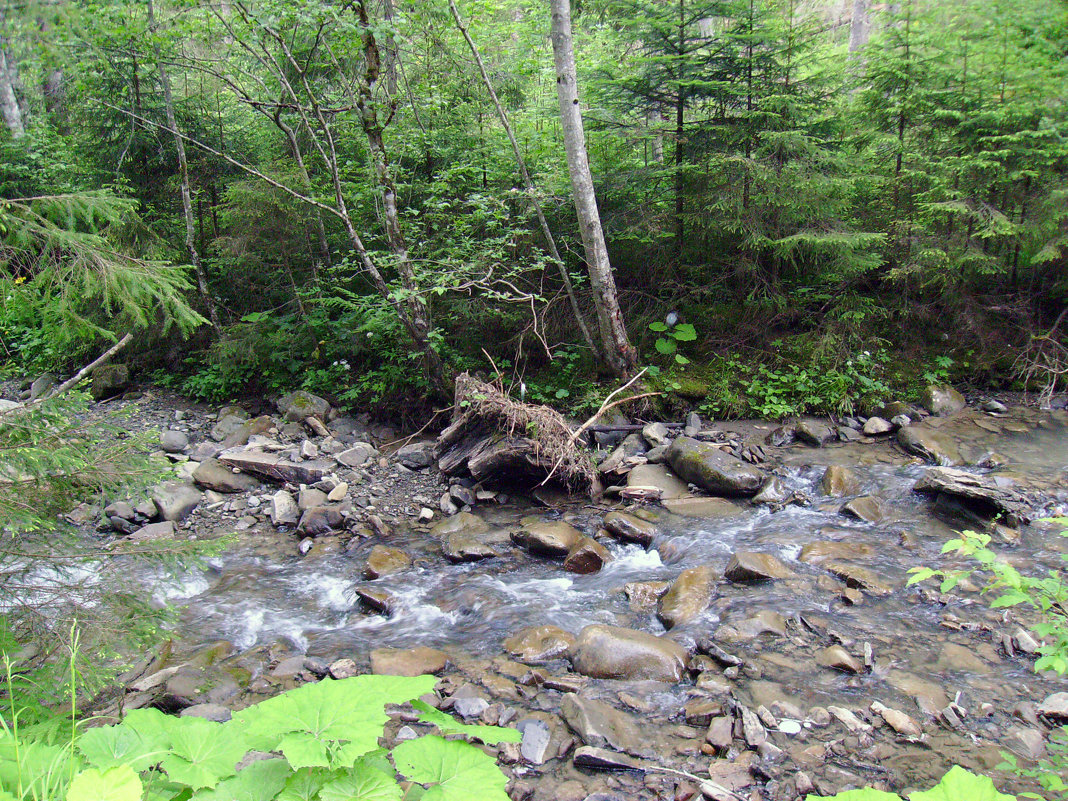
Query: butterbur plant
668, 343
316, 743
957, 785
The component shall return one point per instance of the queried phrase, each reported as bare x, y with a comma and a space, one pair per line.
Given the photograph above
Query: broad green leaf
680, 359
365, 783
490, 735
304, 785
658, 327
303, 750
118, 783
459, 771
202, 752
959, 784
919, 574
684, 332
347, 710
665, 346
107, 746
260, 781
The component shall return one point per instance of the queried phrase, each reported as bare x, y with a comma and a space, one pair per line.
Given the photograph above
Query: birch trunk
9, 102
187, 199
543, 223
619, 353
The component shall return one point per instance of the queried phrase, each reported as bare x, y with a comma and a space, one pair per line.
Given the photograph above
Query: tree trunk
619, 353
187, 199
418, 312
550, 242
9, 102
859, 26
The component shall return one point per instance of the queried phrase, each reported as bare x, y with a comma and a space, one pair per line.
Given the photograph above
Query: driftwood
493, 436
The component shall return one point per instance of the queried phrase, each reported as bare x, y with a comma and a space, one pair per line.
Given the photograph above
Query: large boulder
707, 466
689, 596
175, 500
214, 475
988, 495
300, 405
109, 380
867, 508
612, 652
934, 446
939, 400
586, 556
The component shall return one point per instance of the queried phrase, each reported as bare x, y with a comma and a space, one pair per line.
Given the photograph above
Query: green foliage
667, 345
1048, 597
327, 734
958, 784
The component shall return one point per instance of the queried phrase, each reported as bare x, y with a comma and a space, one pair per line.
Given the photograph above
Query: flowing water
926, 648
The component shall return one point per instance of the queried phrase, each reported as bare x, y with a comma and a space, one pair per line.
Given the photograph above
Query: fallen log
493, 436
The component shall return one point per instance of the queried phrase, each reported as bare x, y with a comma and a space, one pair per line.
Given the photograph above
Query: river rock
586, 556
309, 498
689, 596
412, 662
109, 380
173, 441
867, 508
656, 434
190, 686
720, 733
214, 475
986, 494
553, 538
659, 477
416, 455
462, 546
600, 725
217, 713
602, 759
941, 400
284, 510
858, 577
746, 566
937, 447
813, 432
899, 721
375, 598
163, 530
816, 552
766, 621
707, 466
703, 508
612, 652
277, 467
300, 405
630, 528
230, 419
874, 426
539, 644
643, 595
384, 560
466, 522
357, 456
536, 739
175, 500
839, 481
773, 491
839, 658
321, 520
1055, 707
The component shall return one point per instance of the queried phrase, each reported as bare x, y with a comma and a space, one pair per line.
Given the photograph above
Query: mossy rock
692, 388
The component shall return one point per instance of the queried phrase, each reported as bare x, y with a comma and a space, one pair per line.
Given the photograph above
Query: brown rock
586, 556
689, 596
746, 566
868, 508
383, 560
413, 662
548, 537
612, 652
539, 644
629, 528
839, 658
816, 552
643, 595
839, 481
858, 577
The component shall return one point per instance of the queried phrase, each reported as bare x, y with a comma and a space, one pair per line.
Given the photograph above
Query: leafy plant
315, 743
957, 785
668, 344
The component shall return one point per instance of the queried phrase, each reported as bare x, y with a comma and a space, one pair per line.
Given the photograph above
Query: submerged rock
707, 466
612, 652
462, 546
689, 596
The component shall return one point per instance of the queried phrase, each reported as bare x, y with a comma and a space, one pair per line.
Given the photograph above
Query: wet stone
839, 481
876, 426
746, 566
601, 725
603, 759
384, 560
612, 652
815, 433
689, 596
1055, 707
552, 538
461, 546
535, 743
857, 577
643, 595
707, 466
629, 528
539, 644
868, 508
412, 662
586, 556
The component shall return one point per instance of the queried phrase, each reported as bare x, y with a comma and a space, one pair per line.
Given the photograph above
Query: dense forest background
837, 199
